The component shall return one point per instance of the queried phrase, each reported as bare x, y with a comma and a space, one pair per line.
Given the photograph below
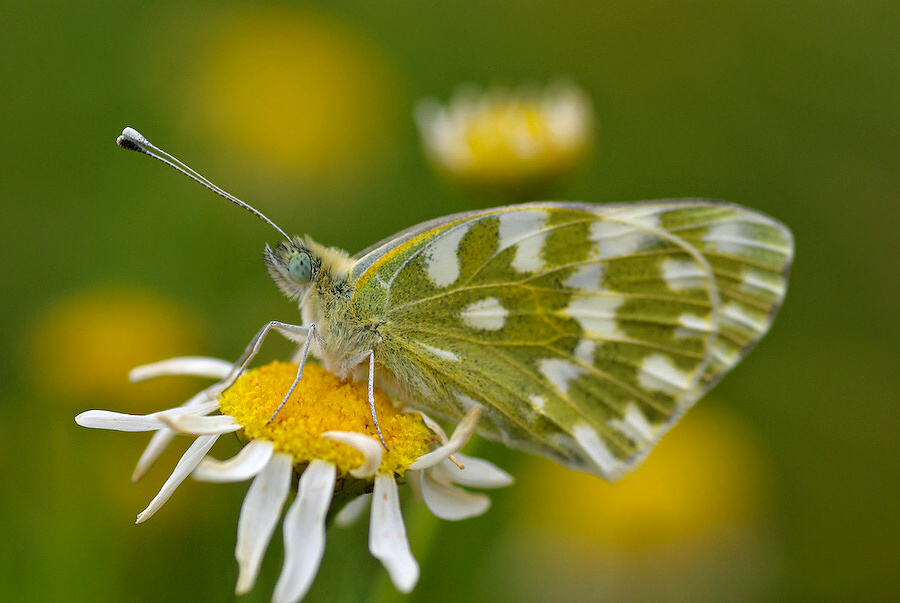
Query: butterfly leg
256, 343
310, 335
372, 398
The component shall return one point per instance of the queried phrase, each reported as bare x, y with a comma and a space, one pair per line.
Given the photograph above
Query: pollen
322, 402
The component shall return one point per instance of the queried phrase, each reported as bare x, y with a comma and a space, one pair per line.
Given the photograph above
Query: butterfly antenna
132, 140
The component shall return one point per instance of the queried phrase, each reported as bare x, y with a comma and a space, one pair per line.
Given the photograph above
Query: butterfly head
294, 266
300, 263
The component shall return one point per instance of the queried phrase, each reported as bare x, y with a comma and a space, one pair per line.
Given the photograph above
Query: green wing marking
583, 330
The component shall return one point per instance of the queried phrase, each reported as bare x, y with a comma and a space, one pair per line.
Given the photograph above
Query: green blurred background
782, 485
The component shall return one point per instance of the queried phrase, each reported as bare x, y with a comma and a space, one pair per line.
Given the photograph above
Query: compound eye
300, 267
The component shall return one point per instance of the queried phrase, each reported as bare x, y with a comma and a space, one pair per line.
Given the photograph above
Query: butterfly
582, 331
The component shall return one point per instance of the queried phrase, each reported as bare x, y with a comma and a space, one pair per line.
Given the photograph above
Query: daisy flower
325, 434
507, 141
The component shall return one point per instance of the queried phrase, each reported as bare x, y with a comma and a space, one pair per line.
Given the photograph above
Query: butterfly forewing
583, 330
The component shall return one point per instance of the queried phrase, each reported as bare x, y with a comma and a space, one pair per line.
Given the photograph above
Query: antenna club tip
132, 135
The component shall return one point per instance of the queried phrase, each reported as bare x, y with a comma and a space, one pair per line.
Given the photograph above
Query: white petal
247, 463
452, 503
158, 443
117, 421
188, 462
370, 448
478, 473
460, 436
198, 425
194, 366
352, 510
259, 516
304, 532
387, 535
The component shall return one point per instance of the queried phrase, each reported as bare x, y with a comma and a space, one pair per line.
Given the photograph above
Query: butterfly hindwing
583, 330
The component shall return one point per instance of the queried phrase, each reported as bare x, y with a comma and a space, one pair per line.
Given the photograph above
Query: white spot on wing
726, 354
634, 424
584, 351
736, 313
643, 216
596, 314
753, 280
614, 239
537, 402
683, 274
522, 229
588, 438
528, 254
693, 326
693, 322
659, 373
445, 354
441, 260
559, 372
586, 276
738, 237
485, 314
608, 229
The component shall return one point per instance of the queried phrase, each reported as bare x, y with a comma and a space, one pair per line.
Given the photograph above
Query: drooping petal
188, 462
460, 437
387, 535
162, 438
247, 463
352, 510
370, 448
304, 532
193, 366
449, 502
199, 425
259, 517
478, 473
158, 443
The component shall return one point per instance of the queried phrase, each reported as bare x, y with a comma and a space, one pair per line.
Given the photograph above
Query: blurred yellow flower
689, 525
303, 95
510, 142
83, 346
707, 473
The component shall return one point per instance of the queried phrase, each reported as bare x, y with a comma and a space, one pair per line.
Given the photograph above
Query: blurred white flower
508, 141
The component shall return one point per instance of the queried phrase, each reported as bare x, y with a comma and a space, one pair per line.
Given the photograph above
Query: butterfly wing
584, 331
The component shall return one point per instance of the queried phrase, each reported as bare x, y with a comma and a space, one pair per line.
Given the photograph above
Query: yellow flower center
321, 403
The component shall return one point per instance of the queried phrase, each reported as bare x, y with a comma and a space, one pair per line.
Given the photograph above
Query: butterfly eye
300, 267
